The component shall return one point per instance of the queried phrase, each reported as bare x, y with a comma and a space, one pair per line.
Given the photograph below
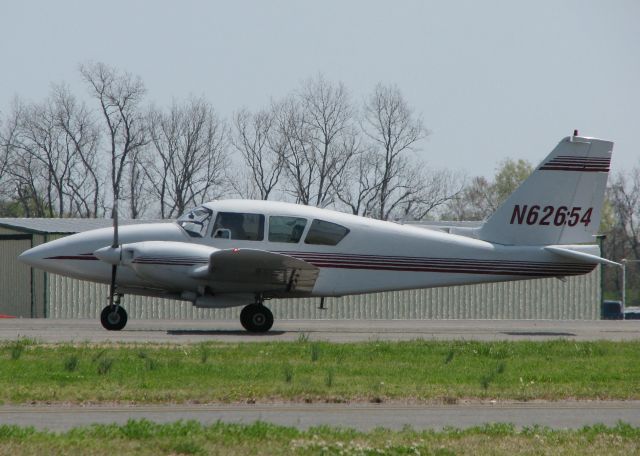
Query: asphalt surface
189, 331
559, 415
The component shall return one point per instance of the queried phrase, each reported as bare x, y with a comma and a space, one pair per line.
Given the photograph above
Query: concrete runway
190, 331
559, 415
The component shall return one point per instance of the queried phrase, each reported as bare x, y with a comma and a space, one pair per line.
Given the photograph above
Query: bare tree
262, 151
25, 174
119, 96
137, 195
394, 131
623, 234
357, 187
190, 144
50, 152
6, 136
84, 182
42, 139
435, 188
298, 159
8, 139
624, 194
317, 129
329, 117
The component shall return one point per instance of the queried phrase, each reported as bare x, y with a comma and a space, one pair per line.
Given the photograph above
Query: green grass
191, 438
319, 371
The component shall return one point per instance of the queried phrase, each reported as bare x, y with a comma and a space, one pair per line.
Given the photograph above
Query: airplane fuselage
242, 252
374, 256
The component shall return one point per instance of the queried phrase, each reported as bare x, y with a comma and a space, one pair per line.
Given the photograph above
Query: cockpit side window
325, 233
240, 226
196, 221
286, 229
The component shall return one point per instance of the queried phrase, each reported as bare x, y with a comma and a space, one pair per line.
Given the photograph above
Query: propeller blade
115, 223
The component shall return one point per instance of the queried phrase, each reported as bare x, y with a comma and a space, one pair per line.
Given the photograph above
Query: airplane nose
34, 256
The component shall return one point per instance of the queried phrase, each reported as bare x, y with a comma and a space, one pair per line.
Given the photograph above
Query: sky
491, 79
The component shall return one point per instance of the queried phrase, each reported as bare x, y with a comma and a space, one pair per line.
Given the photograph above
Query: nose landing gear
256, 317
113, 317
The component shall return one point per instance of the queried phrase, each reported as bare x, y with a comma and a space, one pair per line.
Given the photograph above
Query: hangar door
15, 277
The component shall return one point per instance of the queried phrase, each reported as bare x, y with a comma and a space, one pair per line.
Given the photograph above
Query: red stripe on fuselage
396, 263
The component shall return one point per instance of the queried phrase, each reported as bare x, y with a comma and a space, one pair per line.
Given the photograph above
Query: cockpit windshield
196, 221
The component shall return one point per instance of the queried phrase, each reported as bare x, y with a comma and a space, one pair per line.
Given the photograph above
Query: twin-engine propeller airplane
240, 252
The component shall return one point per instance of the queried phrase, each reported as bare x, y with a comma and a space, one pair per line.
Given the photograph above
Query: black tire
113, 318
256, 318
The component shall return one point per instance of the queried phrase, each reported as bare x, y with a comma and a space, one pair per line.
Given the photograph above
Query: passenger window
286, 229
325, 233
243, 227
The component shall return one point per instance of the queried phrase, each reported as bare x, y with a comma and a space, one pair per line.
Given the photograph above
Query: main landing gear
256, 317
114, 317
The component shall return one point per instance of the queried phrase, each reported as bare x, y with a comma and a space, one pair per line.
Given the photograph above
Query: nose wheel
256, 318
113, 318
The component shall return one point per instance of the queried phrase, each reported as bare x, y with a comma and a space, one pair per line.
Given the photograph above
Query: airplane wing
257, 271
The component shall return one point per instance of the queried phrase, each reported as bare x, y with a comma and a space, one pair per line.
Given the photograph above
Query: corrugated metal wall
15, 282
23, 290
40, 278
60, 297
575, 298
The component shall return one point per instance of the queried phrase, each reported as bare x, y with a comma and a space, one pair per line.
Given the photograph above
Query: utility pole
624, 262
624, 284
601, 238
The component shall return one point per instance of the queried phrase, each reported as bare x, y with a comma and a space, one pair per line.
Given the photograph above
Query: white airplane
242, 252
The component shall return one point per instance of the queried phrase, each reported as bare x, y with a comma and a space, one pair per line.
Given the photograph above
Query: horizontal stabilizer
580, 256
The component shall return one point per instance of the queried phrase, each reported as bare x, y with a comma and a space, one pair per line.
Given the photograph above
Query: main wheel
256, 318
113, 318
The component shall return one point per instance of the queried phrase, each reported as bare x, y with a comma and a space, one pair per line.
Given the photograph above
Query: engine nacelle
167, 264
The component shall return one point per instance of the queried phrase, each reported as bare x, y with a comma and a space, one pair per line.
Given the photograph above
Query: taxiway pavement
364, 417
190, 331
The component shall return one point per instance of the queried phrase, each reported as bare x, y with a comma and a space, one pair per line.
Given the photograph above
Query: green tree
481, 197
509, 175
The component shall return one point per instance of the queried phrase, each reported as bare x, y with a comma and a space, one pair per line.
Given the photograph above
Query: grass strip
318, 371
143, 437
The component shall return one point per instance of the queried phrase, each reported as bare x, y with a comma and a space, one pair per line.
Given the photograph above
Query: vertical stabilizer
561, 202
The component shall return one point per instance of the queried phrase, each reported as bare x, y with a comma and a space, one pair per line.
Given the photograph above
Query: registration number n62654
550, 215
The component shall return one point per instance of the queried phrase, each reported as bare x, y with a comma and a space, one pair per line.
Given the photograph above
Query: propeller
115, 254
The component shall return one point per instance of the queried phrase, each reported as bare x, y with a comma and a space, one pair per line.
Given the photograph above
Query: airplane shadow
539, 333
220, 332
